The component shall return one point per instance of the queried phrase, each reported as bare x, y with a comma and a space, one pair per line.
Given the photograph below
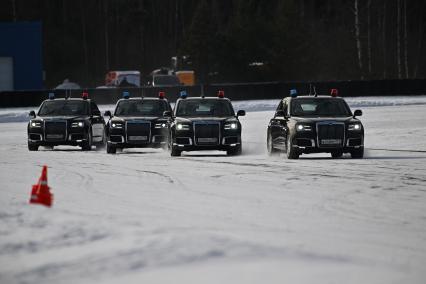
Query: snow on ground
143, 217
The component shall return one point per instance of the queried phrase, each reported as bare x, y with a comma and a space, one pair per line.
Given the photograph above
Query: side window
94, 110
285, 107
280, 106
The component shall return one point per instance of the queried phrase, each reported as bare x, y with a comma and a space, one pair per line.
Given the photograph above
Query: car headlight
181, 126
354, 127
35, 124
303, 127
229, 126
77, 124
116, 125
161, 125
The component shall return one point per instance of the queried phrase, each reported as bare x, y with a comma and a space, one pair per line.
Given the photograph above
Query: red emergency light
85, 95
221, 94
161, 95
334, 92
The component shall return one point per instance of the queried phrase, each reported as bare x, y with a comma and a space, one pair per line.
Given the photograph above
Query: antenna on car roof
315, 92
202, 91
67, 94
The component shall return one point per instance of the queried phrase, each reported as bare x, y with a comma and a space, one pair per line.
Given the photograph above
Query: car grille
207, 133
55, 130
138, 131
331, 134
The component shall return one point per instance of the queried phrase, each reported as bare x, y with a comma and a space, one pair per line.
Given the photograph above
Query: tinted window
204, 107
94, 109
140, 108
64, 107
319, 107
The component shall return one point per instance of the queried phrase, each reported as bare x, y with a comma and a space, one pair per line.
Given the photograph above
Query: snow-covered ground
143, 217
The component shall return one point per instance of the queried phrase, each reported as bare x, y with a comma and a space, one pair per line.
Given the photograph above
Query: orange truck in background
187, 78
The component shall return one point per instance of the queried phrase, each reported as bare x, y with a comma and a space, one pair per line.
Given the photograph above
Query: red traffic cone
41, 192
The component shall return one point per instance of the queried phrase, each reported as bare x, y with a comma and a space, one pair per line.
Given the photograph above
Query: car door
278, 125
98, 123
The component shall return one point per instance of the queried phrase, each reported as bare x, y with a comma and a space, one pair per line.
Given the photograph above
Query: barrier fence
243, 91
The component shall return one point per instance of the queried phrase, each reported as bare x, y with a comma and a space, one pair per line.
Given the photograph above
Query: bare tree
384, 40
398, 37
106, 30
357, 37
405, 40
369, 37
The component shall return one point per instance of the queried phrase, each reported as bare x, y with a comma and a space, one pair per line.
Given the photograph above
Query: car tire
32, 147
111, 149
87, 144
234, 151
357, 153
174, 152
270, 145
290, 151
336, 154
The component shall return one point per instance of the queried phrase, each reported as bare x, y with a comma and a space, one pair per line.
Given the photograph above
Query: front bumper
155, 139
186, 141
309, 143
73, 137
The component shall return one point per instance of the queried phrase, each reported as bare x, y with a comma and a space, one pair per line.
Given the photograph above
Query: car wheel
357, 153
111, 149
270, 145
174, 152
290, 151
234, 151
87, 144
32, 147
336, 154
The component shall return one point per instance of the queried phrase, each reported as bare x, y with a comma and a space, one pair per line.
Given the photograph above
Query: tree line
229, 40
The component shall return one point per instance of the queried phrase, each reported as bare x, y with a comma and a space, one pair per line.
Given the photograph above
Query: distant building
21, 66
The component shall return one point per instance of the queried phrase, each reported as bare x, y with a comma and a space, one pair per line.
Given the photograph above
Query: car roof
143, 98
69, 99
204, 98
322, 97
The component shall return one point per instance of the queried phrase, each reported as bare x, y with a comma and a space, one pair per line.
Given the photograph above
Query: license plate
207, 140
54, 136
331, 141
138, 138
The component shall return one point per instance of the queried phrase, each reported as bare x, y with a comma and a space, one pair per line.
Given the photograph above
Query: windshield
319, 108
140, 108
166, 80
204, 107
64, 108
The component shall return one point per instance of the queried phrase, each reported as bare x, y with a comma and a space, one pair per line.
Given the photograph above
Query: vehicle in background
68, 85
69, 121
315, 124
165, 80
186, 78
122, 79
204, 123
138, 123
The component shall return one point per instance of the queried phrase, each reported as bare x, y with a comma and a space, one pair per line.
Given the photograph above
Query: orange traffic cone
41, 192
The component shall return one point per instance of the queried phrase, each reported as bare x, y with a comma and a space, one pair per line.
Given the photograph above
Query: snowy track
143, 217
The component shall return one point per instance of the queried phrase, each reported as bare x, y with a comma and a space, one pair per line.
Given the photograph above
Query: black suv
315, 124
138, 123
204, 123
66, 121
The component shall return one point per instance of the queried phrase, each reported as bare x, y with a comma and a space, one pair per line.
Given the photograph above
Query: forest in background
229, 40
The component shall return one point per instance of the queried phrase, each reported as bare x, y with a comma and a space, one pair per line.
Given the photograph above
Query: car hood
52, 118
205, 119
323, 119
132, 118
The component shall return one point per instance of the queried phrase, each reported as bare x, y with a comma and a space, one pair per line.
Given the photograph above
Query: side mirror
167, 113
241, 113
32, 113
107, 113
358, 112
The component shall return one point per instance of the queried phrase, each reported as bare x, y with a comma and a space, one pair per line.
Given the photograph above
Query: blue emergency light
293, 93
51, 96
183, 94
126, 95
